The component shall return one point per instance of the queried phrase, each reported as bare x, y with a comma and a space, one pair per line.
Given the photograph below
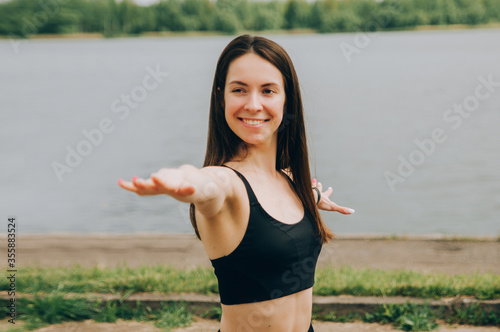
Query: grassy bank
48, 303
54, 308
329, 281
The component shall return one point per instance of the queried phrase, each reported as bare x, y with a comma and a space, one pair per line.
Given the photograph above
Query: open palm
326, 204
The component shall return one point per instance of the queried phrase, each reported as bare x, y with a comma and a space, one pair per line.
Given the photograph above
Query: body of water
403, 126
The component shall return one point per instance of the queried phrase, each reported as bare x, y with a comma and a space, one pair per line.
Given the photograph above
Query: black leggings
310, 328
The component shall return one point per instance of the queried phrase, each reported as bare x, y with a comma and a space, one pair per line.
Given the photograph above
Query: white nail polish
351, 211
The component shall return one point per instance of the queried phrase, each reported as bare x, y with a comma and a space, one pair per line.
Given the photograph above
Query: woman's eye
268, 91
237, 90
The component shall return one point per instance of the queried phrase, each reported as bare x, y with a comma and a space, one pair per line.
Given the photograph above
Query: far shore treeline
24, 18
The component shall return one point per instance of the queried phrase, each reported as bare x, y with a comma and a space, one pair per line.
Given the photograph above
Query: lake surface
402, 125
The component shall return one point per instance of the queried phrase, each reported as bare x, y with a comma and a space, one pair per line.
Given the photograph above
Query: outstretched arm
207, 188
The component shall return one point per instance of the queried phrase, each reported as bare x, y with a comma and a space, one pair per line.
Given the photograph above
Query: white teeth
253, 122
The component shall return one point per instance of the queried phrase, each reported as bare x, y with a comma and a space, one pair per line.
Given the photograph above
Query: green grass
53, 308
406, 317
329, 281
371, 282
474, 315
414, 317
118, 280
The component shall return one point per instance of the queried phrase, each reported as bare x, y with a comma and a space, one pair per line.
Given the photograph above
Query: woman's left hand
325, 203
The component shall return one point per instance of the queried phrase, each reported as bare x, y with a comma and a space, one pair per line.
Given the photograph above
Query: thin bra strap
251, 194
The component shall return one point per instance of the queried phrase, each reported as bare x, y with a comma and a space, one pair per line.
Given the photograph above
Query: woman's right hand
168, 181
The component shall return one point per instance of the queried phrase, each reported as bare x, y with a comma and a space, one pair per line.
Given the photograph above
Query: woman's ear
220, 96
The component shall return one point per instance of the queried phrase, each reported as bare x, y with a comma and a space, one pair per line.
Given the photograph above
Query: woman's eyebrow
243, 83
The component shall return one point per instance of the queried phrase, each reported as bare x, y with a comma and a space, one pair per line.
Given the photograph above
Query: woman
252, 204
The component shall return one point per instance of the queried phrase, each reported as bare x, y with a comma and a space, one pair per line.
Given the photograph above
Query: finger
343, 209
181, 190
347, 210
328, 192
328, 205
320, 186
156, 180
145, 187
186, 190
143, 183
126, 185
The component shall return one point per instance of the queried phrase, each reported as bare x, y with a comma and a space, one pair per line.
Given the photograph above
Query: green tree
492, 8
94, 15
16, 18
472, 12
265, 17
126, 12
232, 15
320, 11
111, 23
198, 14
297, 14
342, 21
398, 14
450, 12
170, 15
430, 9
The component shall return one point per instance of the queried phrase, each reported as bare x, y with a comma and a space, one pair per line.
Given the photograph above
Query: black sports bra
272, 260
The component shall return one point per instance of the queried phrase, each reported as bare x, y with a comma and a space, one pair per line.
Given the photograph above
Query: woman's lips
252, 123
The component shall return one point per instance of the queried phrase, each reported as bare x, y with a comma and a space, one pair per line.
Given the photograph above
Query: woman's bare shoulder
226, 179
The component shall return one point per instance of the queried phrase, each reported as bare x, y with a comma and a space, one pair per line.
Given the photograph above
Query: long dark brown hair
291, 155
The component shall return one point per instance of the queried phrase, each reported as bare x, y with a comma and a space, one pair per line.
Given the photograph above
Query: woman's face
254, 99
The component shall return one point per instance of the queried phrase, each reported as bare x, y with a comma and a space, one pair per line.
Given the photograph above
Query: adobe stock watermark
31, 25
95, 136
453, 116
362, 39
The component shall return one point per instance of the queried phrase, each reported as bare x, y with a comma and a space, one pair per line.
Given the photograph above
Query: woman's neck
260, 160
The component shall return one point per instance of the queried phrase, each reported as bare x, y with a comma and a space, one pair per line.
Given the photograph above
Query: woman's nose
253, 102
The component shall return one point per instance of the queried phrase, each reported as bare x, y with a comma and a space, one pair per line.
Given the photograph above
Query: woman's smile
253, 123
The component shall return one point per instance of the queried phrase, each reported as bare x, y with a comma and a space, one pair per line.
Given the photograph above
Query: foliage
407, 317
174, 315
55, 308
24, 18
213, 313
474, 315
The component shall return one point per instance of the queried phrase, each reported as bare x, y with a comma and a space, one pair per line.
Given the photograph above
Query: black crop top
272, 260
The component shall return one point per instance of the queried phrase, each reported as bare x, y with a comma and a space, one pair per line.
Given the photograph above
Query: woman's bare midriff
290, 313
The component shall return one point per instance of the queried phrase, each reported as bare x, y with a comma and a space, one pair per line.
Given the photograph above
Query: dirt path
203, 325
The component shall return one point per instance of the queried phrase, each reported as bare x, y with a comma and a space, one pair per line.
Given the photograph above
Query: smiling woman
253, 203
254, 98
